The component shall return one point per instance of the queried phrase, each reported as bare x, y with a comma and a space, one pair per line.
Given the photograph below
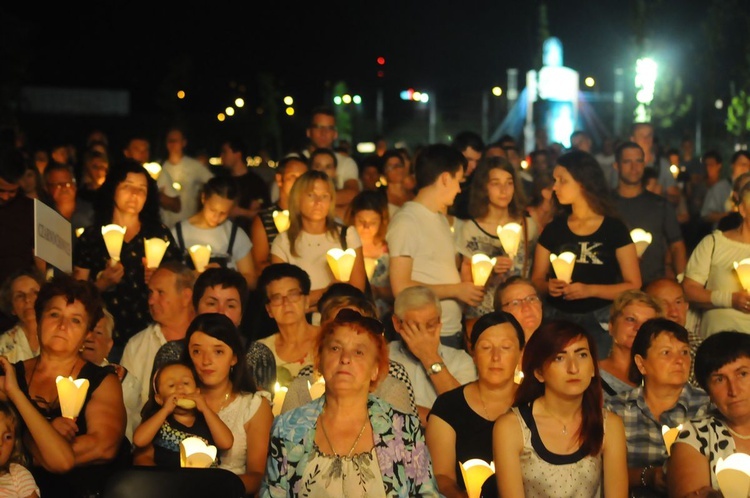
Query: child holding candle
15, 478
175, 411
494, 202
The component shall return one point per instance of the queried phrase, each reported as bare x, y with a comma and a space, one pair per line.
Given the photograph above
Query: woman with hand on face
629, 311
230, 244
215, 352
348, 442
459, 426
18, 296
71, 457
129, 198
313, 231
722, 368
606, 263
558, 441
660, 367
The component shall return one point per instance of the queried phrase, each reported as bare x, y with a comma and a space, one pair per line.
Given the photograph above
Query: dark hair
541, 349
226, 278
466, 139
236, 144
223, 186
374, 161
71, 290
648, 175
55, 166
323, 109
370, 200
281, 167
151, 406
496, 318
277, 271
105, 195
646, 334
542, 180
717, 350
625, 145
221, 328
713, 154
338, 289
434, 160
585, 170
740, 153
6, 290
12, 164
324, 152
479, 199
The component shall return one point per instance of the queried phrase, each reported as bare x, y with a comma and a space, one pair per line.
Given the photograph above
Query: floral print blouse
402, 454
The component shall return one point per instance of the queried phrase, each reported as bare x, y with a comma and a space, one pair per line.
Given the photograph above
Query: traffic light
381, 68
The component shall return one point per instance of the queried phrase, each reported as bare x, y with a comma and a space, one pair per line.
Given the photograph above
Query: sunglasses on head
347, 315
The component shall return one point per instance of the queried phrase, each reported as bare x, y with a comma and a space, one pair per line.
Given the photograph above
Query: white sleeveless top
236, 415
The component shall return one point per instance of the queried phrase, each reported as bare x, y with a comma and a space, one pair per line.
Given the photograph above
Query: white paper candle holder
563, 265
281, 220
201, 255
195, 453
642, 239
155, 249
341, 263
481, 268
71, 394
113, 237
510, 237
475, 472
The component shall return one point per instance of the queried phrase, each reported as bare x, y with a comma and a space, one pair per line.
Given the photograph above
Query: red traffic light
381, 61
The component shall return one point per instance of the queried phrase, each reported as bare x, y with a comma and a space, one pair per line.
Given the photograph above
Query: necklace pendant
565, 430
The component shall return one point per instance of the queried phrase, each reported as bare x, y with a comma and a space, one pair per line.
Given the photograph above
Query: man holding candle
421, 242
653, 213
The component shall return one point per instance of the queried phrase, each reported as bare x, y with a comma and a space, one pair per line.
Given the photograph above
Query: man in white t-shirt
188, 176
421, 244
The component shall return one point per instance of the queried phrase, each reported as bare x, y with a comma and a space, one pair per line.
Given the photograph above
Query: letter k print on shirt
588, 253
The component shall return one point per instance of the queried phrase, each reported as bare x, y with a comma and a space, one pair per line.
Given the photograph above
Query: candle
113, 236
281, 220
71, 394
279, 394
317, 388
642, 240
341, 263
155, 249
153, 169
743, 272
563, 265
733, 475
370, 265
195, 453
510, 237
475, 472
670, 434
481, 268
201, 255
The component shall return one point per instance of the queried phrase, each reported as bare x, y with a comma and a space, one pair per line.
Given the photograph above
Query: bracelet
643, 475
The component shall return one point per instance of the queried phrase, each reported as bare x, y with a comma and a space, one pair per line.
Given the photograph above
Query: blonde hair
634, 296
303, 185
14, 421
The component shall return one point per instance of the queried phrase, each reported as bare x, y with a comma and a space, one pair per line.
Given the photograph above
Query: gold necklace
224, 401
335, 454
481, 399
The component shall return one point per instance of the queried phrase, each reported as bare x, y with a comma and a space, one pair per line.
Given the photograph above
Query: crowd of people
385, 379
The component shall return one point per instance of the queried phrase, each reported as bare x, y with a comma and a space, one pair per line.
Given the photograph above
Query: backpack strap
180, 239
232, 236
342, 236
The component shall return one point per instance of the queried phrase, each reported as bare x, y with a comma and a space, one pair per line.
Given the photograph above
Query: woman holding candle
711, 282
495, 202
313, 231
214, 349
660, 366
459, 426
230, 245
606, 263
348, 442
128, 198
368, 213
722, 368
18, 296
557, 440
71, 456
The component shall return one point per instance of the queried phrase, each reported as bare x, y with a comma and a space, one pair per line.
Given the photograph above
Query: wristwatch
436, 368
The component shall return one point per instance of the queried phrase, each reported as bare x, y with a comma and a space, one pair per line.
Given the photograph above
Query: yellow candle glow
113, 236
670, 434
733, 475
195, 453
475, 472
510, 237
200, 254
341, 263
370, 265
481, 268
317, 388
155, 249
743, 272
642, 240
153, 169
281, 220
72, 394
279, 394
563, 265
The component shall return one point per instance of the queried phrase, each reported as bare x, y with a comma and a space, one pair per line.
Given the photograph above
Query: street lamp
424, 97
589, 82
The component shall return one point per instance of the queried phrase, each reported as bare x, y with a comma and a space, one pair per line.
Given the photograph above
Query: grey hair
413, 298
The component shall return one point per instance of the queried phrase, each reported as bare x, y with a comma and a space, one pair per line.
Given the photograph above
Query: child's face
175, 380
7, 439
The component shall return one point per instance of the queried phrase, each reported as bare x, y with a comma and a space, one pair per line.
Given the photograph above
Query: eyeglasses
322, 127
348, 315
517, 303
292, 296
61, 185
